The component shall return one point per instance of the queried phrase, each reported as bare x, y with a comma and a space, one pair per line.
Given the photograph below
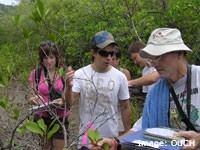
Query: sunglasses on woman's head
51, 44
105, 53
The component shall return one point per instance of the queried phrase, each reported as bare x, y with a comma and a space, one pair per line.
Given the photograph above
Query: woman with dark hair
47, 93
116, 63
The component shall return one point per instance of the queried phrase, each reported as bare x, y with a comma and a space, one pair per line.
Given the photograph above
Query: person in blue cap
100, 88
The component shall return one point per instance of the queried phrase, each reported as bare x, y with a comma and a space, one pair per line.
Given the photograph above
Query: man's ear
181, 53
93, 52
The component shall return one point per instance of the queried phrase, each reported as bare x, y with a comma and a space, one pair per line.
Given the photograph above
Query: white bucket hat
164, 40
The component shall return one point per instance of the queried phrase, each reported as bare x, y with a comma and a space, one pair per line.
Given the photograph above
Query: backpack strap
185, 119
38, 73
63, 81
37, 76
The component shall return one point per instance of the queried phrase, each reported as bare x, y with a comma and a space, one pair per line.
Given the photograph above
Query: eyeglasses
105, 53
154, 61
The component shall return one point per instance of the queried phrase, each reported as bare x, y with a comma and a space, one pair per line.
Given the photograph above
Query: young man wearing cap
179, 83
100, 88
149, 73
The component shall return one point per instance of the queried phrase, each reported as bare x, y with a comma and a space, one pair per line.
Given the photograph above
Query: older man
174, 100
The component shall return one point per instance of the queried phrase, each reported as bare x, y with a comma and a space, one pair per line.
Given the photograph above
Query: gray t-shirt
181, 92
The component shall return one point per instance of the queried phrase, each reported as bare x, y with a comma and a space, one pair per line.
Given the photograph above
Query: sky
8, 2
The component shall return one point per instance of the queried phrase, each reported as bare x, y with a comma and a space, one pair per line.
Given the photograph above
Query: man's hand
192, 136
99, 145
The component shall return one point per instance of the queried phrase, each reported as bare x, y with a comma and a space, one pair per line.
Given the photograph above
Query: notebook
153, 138
42, 106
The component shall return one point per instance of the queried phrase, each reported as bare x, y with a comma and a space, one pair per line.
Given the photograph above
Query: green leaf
8, 69
91, 135
106, 146
52, 131
40, 8
11, 104
33, 127
6, 100
39, 13
35, 17
21, 131
61, 71
17, 20
2, 104
1, 85
26, 33
5, 80
52, 123
16, 114
46, 13
42, 125
96, 135
99, 139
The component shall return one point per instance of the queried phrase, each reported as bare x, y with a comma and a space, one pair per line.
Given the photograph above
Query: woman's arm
34, 98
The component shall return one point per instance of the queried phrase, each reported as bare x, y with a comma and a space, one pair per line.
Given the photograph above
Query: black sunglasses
105, 53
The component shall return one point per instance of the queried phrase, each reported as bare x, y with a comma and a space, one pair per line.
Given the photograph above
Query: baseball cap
102, 39
164, 40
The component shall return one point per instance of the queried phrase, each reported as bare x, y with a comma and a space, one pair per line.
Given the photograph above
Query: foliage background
72, 23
